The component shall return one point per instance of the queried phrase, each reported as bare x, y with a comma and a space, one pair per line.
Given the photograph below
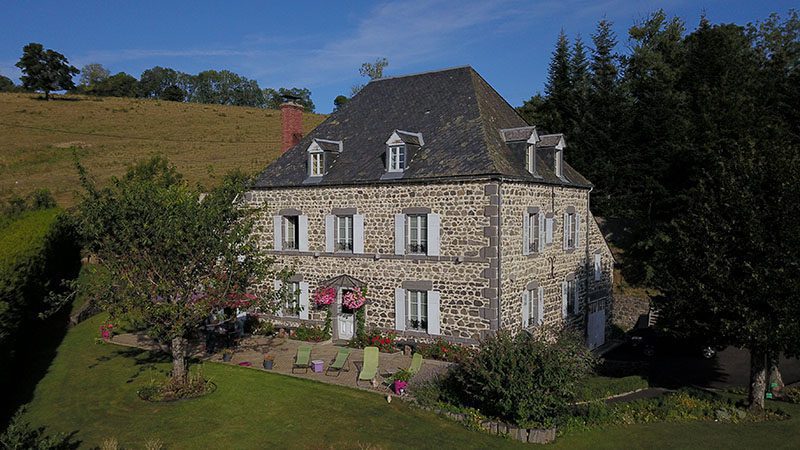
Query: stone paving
252, 349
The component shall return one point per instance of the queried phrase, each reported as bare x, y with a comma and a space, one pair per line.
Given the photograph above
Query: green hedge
37, 250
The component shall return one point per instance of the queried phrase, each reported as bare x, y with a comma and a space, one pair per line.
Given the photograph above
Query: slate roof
458, 114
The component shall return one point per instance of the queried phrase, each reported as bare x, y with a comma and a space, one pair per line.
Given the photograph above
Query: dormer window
559, 163
397, 158
530, 159
317, 164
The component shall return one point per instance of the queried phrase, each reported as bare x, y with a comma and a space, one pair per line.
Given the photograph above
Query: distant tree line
47, 70
693, 139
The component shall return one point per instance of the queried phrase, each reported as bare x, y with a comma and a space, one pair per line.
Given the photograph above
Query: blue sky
321, 44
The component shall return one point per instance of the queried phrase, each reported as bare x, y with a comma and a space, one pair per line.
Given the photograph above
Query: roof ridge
422, 73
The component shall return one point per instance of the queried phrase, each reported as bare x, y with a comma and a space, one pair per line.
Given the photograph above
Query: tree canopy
45, 70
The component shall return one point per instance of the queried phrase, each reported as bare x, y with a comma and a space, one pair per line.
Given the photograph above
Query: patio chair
341, 363
370, 368
303, 358
416, 364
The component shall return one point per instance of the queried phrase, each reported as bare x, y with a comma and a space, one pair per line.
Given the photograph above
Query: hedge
38, 249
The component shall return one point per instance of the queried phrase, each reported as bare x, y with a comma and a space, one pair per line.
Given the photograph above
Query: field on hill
37, 139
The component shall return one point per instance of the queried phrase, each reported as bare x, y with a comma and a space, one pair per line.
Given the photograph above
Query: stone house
431, 193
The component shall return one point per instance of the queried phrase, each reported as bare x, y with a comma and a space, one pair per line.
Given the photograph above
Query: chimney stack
291, 124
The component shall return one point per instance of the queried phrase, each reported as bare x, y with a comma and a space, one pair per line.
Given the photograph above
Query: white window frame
317, 164
421, 229
530, 160
533, 232
343, 242
291, 240
598, 266
397, 158
569, 232
288, 309
419, 299
559, 163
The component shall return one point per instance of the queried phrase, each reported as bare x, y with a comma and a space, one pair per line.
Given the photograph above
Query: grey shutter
399, 234
433, 312
577, 230
566, 230
329, 227
525, 308
526, 228
358, 233
564, 299
540, 220
302, 224
597, 266
540, 306
277, 235
400, 309
549, 231
577, 306
277, 284
304, 300
434, 235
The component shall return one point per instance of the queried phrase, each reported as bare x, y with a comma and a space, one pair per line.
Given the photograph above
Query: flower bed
443, 350
169, 391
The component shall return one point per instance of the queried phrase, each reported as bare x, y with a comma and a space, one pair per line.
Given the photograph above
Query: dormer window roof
399, 137
320, 152
399, 149
527, 134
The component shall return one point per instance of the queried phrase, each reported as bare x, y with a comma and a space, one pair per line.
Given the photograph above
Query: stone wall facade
553, 265
630, 311
480, 271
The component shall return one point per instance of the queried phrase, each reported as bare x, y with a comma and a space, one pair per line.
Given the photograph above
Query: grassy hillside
36, 138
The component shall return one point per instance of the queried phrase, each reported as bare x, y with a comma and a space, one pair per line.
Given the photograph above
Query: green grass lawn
91, 388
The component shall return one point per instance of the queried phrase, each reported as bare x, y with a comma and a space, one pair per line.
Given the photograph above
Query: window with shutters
417, 234
291, 307
531, 306
570, 230
317, 164
533, 232
571, 296
291, 232
548, 239
417, 311
397, 158
344, 234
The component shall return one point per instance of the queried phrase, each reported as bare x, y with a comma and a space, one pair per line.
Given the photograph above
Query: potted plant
269, 360
227, 354
400, 381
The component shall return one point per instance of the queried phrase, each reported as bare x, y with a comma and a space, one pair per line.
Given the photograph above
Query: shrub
264, 328
791, 394
21, 435
523, 378
311, 333
170, 390
443, 350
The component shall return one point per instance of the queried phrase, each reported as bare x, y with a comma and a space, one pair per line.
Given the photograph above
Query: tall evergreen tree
559, 86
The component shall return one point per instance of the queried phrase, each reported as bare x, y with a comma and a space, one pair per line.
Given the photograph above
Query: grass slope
91, 388
111, 133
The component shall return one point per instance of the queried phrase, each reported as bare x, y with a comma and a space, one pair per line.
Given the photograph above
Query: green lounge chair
340, 364
303, 358
416, 364
370, 368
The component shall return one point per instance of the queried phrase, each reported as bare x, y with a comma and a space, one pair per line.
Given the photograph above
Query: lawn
36, 139
91, 388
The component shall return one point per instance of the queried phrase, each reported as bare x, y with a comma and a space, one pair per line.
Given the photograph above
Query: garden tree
548, 112
373, 71
575, 121
652, 169
175, 255
273, 98
117, 85
724, 261
339, 102
6, 85
45, 70
92, 75
605, 119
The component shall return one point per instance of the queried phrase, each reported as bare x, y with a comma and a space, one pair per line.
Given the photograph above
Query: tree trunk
179, 359
774, 378
46, 94
758, 379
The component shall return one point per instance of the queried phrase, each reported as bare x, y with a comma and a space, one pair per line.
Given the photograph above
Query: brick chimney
292, 125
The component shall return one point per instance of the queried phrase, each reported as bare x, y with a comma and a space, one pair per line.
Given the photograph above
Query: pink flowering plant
325, 296
353, 299
106, 331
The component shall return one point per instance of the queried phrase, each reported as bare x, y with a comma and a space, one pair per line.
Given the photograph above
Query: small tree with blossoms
174, 255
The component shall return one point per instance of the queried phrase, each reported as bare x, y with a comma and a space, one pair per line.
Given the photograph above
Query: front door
345, 321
